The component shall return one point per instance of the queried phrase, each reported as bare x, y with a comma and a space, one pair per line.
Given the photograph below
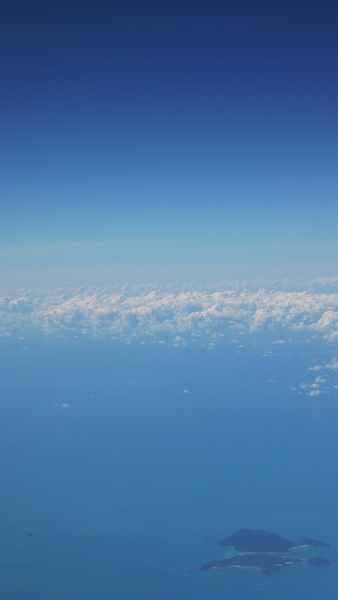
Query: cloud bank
156, 310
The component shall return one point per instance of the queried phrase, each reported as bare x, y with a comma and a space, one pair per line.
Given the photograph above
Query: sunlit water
161, 452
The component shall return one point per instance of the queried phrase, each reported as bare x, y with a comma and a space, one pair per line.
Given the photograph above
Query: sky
164, 141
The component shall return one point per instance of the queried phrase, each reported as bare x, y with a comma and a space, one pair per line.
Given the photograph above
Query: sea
123, 464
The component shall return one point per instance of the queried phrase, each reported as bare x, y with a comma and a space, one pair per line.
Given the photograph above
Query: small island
249, 540
265, 552
266, 564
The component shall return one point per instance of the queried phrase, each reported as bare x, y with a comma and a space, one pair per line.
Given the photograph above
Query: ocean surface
129, 462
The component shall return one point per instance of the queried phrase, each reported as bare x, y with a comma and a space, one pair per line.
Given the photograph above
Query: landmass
249, 540
266, 564
265, 552
314, 543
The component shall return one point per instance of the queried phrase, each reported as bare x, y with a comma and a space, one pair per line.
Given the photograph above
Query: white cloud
314, 386
179, 341
156, 310
315, 368
315, 392
332, 365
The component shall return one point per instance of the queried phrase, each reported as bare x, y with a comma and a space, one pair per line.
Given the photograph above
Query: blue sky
168, 140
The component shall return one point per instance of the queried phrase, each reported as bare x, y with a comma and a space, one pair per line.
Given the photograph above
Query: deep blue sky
176, 134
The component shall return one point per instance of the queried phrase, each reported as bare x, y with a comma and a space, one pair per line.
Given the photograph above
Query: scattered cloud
332, 365
313, 387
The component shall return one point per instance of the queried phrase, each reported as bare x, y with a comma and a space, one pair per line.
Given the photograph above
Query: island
313, 543
264, 551
249, 540
266, 564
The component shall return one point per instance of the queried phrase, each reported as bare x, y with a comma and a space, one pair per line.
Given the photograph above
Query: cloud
129, 311
179, 341
332, 365
313, 386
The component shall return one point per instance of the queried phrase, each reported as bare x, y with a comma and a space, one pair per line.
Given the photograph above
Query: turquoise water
132, 484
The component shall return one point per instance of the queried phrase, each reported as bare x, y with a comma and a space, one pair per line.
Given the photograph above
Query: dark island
264, 551
314, 543
249, 540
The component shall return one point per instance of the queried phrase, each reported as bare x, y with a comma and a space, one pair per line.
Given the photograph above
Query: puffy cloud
332, 365
179, 341
313, 386
156, 310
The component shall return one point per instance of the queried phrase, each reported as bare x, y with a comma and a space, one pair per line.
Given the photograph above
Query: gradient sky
168, 139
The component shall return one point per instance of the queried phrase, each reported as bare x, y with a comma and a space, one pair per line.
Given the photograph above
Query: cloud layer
155, 310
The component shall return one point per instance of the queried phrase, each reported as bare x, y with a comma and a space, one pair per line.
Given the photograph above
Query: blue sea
123, 465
